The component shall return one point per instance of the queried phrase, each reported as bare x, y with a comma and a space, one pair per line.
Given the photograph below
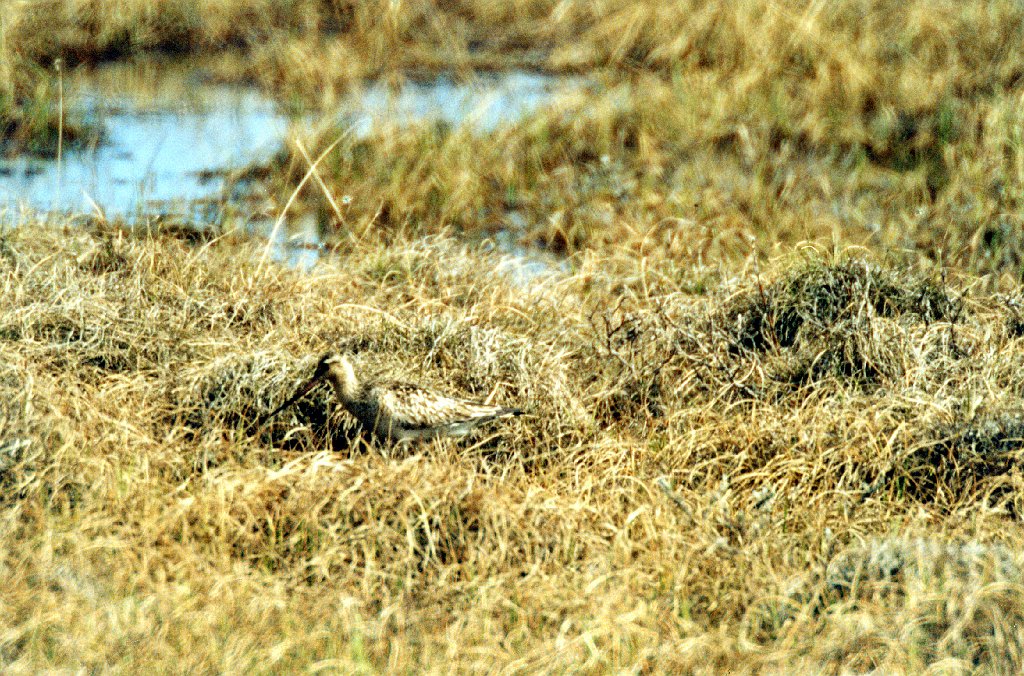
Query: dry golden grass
30, 111
814, 468
637, 168
738, 456
889, 74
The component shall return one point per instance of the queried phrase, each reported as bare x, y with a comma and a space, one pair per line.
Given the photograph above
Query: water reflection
525, 266
487, 102
170, 134
297, 244
164, 130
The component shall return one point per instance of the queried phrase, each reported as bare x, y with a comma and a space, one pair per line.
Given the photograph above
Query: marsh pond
168, 134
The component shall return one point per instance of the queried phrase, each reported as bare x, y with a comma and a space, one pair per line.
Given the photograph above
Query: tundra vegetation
775, 395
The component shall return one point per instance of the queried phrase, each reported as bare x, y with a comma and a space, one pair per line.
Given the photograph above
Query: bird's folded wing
418, 408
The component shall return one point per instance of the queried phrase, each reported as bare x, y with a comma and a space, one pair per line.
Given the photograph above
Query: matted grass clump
669, 502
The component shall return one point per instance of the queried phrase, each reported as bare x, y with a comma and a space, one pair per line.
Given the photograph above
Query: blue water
170, 135
164, 128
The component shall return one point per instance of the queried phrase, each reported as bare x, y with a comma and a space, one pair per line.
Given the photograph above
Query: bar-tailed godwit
395, 411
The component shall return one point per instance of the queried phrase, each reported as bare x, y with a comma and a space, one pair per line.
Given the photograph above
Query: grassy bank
31, 119
710, 131
886, 75
813, 468
645, 167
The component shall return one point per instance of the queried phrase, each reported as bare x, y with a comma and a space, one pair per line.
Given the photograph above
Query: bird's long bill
294, 398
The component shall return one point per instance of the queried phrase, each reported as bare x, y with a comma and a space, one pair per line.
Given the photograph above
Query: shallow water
300, 246
489, 101
163, 127
169, 133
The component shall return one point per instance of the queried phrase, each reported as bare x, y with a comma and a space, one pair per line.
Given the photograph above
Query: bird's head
333, 366
330, 361
339, 369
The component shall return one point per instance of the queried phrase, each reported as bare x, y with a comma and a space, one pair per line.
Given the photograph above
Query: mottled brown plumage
395, 411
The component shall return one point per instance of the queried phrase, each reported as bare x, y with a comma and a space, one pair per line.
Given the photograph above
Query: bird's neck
343, 378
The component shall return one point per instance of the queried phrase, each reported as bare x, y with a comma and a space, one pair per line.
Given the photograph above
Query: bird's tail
493, 414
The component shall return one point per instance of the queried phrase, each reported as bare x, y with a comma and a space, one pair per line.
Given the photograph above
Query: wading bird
395, 411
